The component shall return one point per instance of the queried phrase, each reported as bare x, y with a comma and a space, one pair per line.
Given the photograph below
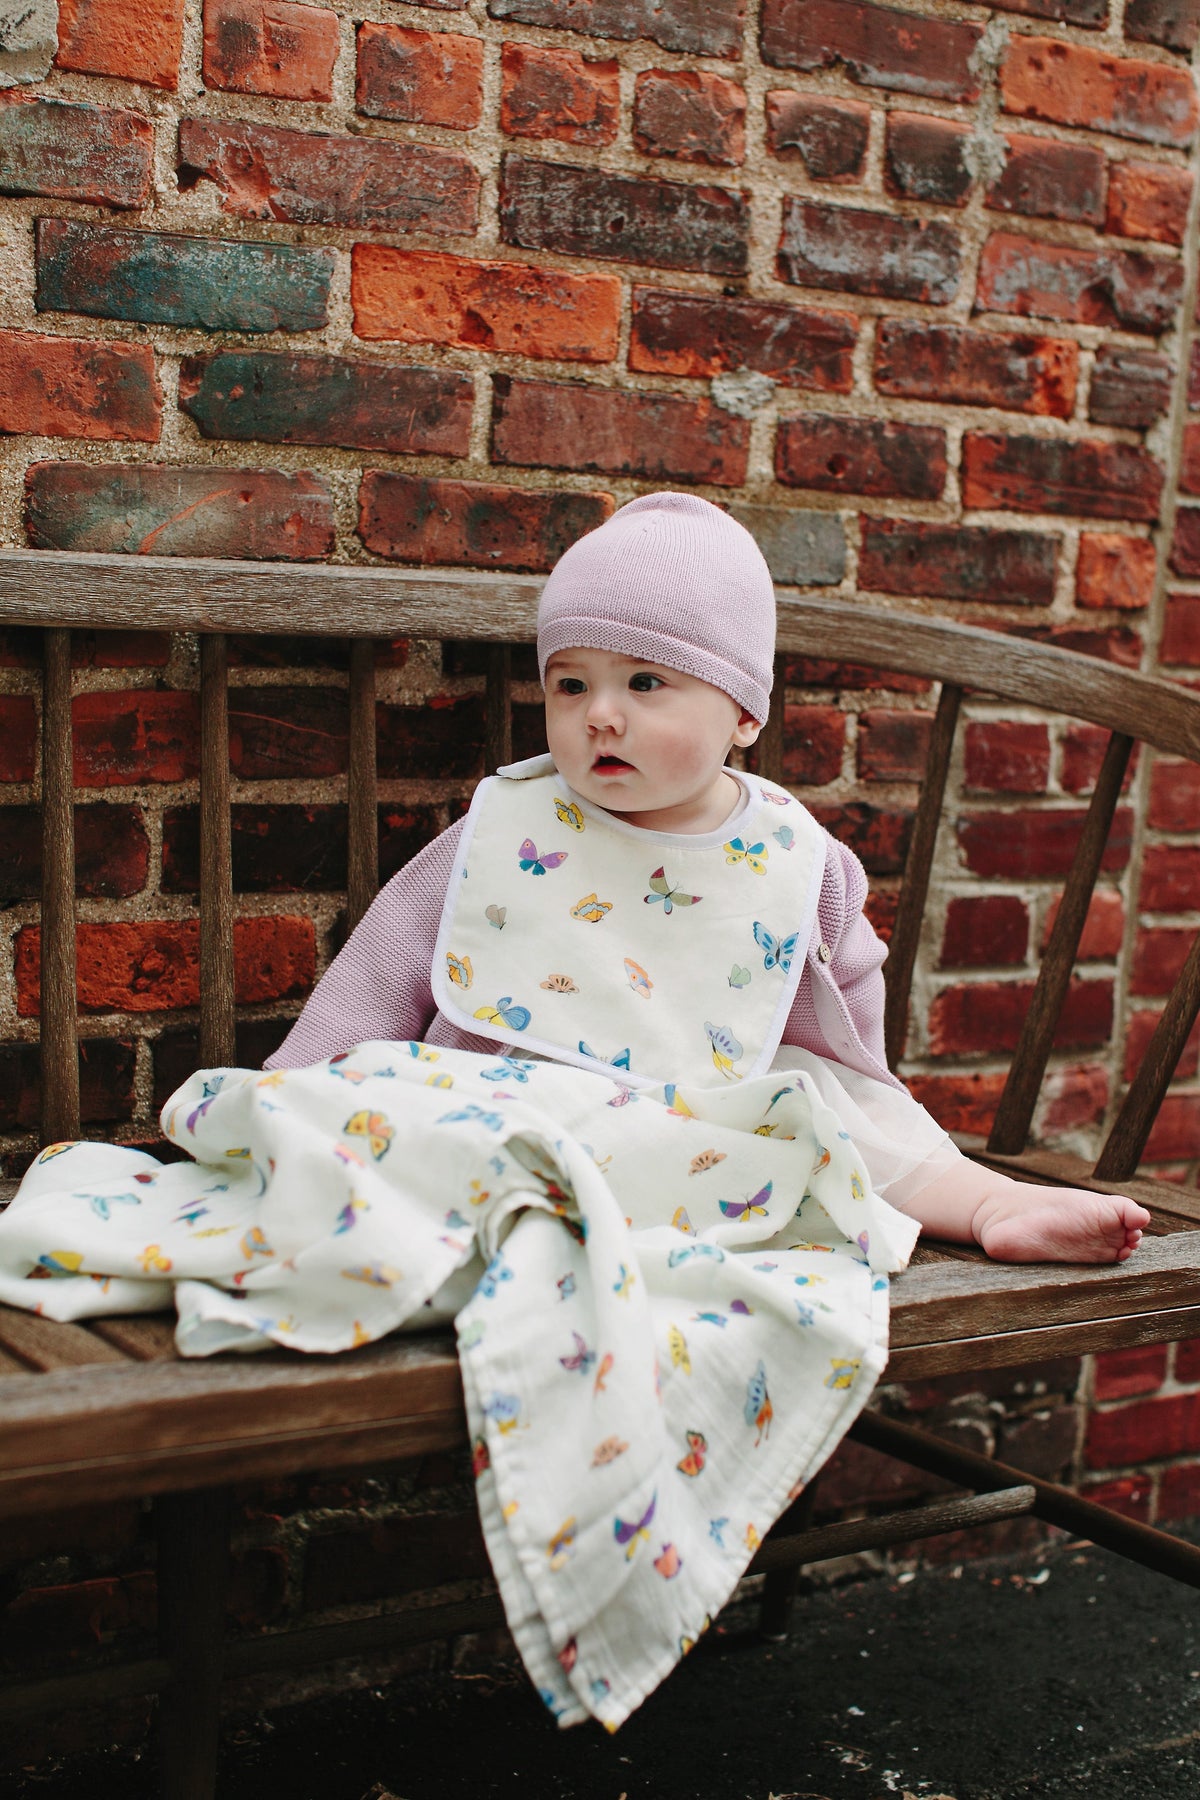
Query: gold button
824, 953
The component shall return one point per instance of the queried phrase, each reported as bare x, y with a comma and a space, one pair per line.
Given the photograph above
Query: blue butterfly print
510, 1068
496, 1272
777, 952
474, 1114
619, 1061
102, 1204
505, 1012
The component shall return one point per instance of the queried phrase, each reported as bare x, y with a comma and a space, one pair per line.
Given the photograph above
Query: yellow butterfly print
568, 813
561, 1547
479, 1193
707, 1159
360, 1337
677, 1345
439, 1081
624, 1282
682, 1222
639, 981
153, 1261
60, 1262
254, 1244
375, 1128
753, 855
856, 1185
459, 969
752, 1538
53, 1150
842, 1373
375, 1274
559, 984
591, 909
676, 1104
275, 1079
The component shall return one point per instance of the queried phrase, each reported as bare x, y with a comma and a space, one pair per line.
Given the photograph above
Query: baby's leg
1016, 1222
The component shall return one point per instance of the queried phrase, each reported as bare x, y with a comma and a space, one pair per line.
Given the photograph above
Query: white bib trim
571, 934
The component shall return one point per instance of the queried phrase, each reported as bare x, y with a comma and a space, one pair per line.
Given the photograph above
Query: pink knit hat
671, 578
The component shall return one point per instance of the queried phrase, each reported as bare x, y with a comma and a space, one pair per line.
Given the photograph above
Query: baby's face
646, 742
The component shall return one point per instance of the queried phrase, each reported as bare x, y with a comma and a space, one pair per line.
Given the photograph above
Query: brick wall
910, 287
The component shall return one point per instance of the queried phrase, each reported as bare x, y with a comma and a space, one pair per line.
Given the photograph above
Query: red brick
123, 739
557, 425
112, 852
1173, 23
880, 911
1103, 928
1139, 1030
878, 835
1189, 474
1115, 288
1118, 644
690, 115
1126, 1494
283, 399
1025, 845
892, 746
828, 136
1178, 1492
312, 178
1159, 953
413, 519
1083, 748
839, 455
864, 252
18, 737
923, 158
1048, 180
1170, 878
1002, 756
988, 1016
1181, 631
879, 46
620, 218
983, 930
813, 740
1143, 1431
918, 361
1148, 200
68, 387
1187, 1360
152, 965
819, 672
704, 334
1193, 395
74, 152
137, 40
149, 508
1185, 544
1073, 84
965, 1103
1120, 1374
1090, 478
1174, 796
1114, 570
423, 297
558, 94
1042, 1442
964, 562
713, 28
1129, 387
270, 47
419, 77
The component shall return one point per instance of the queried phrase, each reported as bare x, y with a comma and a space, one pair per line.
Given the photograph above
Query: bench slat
147, 1339
60, 1054
362, 786
906, 934
1016, 1349
216, 860
44, 1345
1127, 1139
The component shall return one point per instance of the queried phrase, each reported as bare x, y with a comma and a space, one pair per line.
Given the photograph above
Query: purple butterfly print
534, 863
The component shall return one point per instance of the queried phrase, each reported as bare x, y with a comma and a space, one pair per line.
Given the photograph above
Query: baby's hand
1016, 1222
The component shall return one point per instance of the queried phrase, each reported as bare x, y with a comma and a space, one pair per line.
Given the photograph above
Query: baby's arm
1015, 1221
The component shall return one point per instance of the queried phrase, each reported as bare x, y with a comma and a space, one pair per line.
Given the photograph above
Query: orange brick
152, 965
1103, 928
424, 77
270, 47
136, 40
424, 297
1073, 84
558, 94
68, 387
1148, 200
1114, 570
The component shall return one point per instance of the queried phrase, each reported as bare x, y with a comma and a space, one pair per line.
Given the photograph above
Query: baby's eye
570, 684
644, 682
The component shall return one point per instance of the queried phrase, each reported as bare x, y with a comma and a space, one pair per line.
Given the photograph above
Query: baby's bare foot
1021, 1223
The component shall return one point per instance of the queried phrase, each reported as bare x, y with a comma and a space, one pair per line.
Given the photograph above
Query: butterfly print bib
668, 957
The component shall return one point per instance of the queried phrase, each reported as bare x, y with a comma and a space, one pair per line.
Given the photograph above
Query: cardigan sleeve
856, 962
378, 984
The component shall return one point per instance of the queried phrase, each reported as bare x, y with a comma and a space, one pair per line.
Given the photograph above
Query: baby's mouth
609, 765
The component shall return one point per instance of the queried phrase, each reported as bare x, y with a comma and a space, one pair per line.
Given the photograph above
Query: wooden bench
103, 1411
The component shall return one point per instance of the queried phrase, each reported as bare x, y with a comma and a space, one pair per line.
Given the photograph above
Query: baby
655, 645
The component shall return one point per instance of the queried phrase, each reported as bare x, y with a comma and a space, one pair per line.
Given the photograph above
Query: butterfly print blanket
670, 1302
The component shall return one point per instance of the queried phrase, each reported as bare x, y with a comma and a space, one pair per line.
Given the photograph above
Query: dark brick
281, 399
259, 514
864, 252
428, 77
1185, 546
281, 732
215, 284
393, 1556
703, 334
1092, 479
312, 178
839, 455
1115, 644
621, 218
813, 741
892, 746
442, 740
877, 45
983, 930
277, 849
107, 1067
66, 151
409, 518
1114, 288
558, 94
1006, 756
1180, 641
68, 387
878, 835
1050, 181
176, 1051
559, 425
695, 27
691, 115
1175, 24
122, 739
529, 731
1029, 845
828, 136
918, 361
18, 737
924, 158
958, 562
112, 852
403, 830
1129, 387
988, 1016
1089, 13
803, 549
1189, 471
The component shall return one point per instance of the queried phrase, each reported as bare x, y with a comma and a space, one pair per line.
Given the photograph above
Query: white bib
579, 937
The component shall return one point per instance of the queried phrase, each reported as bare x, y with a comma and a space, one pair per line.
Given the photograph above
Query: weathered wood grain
216, 860
497, 749
43, 1344
362, 824
1127, 1139
906, 934
60, 1054
1017, 1349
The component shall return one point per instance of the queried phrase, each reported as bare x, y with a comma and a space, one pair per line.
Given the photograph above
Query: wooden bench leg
780, 1585
193, 1574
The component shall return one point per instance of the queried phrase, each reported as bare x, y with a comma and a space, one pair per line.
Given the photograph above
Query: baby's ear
747, 730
